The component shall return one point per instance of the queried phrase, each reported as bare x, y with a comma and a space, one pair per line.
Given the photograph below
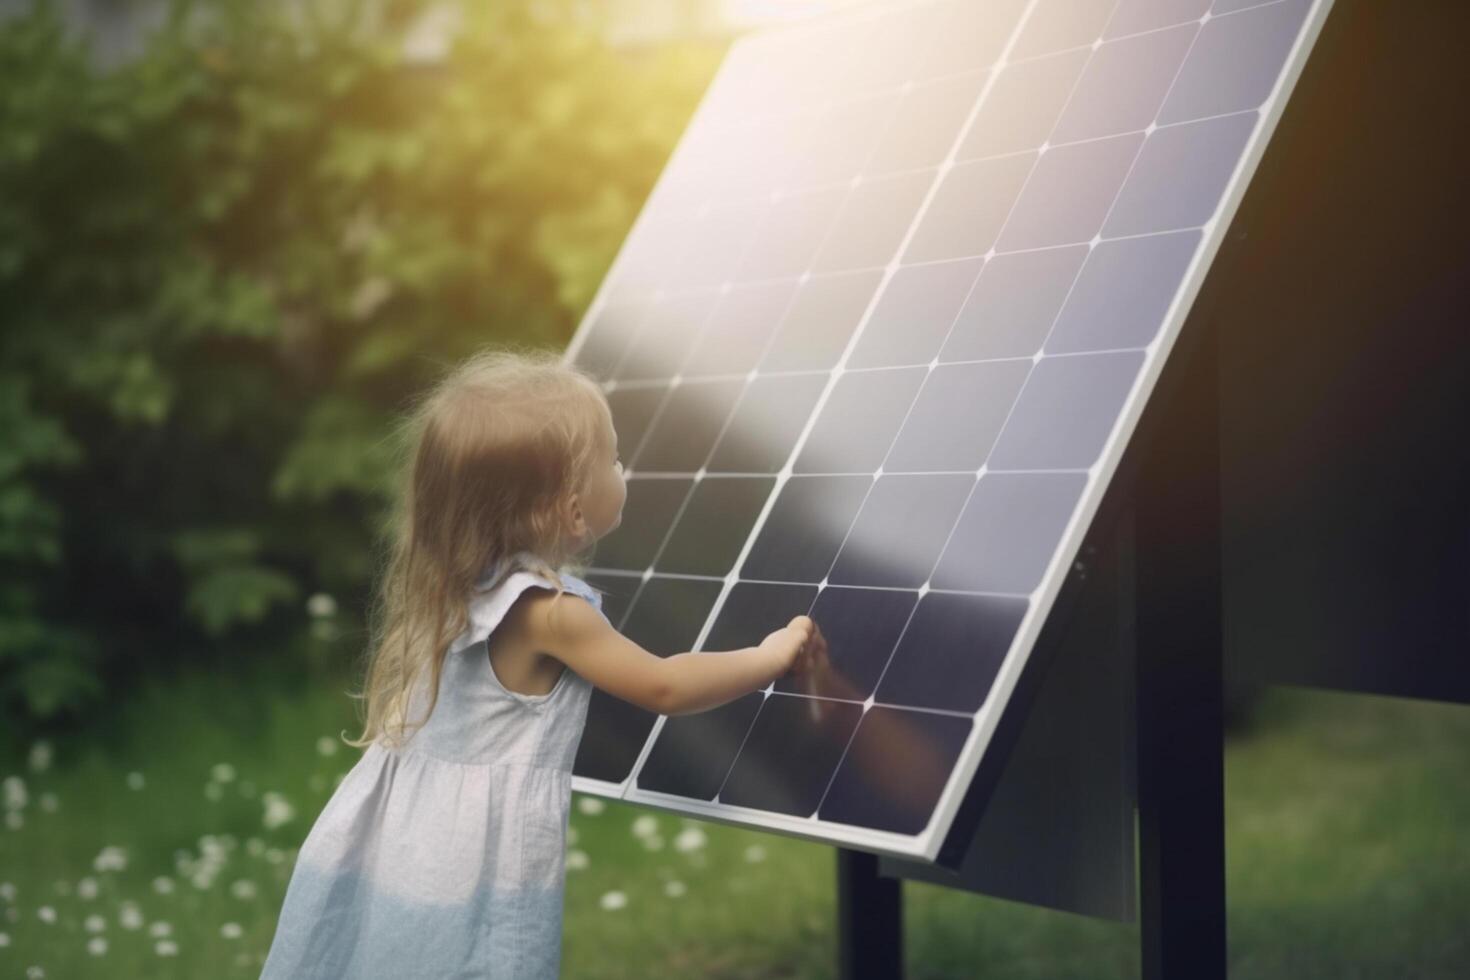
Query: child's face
602, 500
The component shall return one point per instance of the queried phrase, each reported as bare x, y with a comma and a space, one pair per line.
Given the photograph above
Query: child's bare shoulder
542, 615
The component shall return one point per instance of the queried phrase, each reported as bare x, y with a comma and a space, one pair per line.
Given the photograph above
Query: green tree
226, 264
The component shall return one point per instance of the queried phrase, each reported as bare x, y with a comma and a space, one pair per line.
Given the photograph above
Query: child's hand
797, 644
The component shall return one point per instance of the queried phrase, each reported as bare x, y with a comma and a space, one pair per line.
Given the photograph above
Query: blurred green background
227, 257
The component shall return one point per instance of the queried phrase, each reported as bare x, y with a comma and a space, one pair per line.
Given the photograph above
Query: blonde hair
487, 459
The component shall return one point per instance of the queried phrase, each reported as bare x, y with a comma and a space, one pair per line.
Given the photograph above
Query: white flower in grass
7, 891
163, 885
577, 860
14, 820
130, 916
202, 879
46, 914
613, 900
274, 855
110, 858
34, 973
49, 802
591, 805
690, 839
97, 945
4, 939
87, 889
645, 825
231, 930
95, 923
755, 854
135, 780
326, 745
674, 889
160, 930
653, 842
320, 606
255, 847
166, 947
243, 889
222, 772
14, 792
40, 757
278, 810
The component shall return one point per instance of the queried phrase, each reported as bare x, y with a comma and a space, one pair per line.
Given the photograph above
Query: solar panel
874, 348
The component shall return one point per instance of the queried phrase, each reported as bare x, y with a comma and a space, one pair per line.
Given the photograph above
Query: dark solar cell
859, 421
714, 525
895, 768
680, 438
1008, 532
769, 776
951, 651
917, 309
1085, 389
957, 416
805, 528
648, 514
901, 530
766, 424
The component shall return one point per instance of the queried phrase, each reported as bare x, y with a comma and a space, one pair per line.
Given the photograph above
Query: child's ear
573, 513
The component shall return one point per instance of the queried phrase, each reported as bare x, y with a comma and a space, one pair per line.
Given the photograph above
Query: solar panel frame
925, 843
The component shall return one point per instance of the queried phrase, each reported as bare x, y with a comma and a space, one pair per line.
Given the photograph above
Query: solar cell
874, 348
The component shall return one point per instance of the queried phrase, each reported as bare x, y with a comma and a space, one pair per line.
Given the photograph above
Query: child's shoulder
544, 617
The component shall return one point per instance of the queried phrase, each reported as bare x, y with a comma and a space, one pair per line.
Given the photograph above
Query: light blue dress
445, 858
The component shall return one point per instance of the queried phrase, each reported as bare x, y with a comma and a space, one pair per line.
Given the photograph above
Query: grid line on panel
836, 373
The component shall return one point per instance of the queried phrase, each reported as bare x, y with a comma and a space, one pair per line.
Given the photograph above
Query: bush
223, 267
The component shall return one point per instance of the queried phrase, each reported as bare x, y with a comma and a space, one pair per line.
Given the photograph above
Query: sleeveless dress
445, 858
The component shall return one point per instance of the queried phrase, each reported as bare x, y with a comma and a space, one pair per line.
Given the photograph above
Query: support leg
869, 919
1181, 774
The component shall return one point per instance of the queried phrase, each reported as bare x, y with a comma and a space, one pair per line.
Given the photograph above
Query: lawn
161, 846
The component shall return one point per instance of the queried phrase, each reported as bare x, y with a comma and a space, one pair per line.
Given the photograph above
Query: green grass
1347, 855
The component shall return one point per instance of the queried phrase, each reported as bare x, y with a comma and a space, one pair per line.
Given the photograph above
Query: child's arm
576, 634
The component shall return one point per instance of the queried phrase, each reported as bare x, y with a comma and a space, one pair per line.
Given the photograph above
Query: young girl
441, 853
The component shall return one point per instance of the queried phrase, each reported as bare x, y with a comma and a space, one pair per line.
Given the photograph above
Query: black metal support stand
1181, 769
869, 919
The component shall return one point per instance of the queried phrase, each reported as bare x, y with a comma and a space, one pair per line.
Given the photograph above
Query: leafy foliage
225, 265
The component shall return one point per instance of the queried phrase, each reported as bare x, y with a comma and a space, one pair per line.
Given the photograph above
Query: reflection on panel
895, 766
769, 776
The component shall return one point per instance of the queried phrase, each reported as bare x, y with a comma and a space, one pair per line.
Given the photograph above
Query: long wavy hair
487, 458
